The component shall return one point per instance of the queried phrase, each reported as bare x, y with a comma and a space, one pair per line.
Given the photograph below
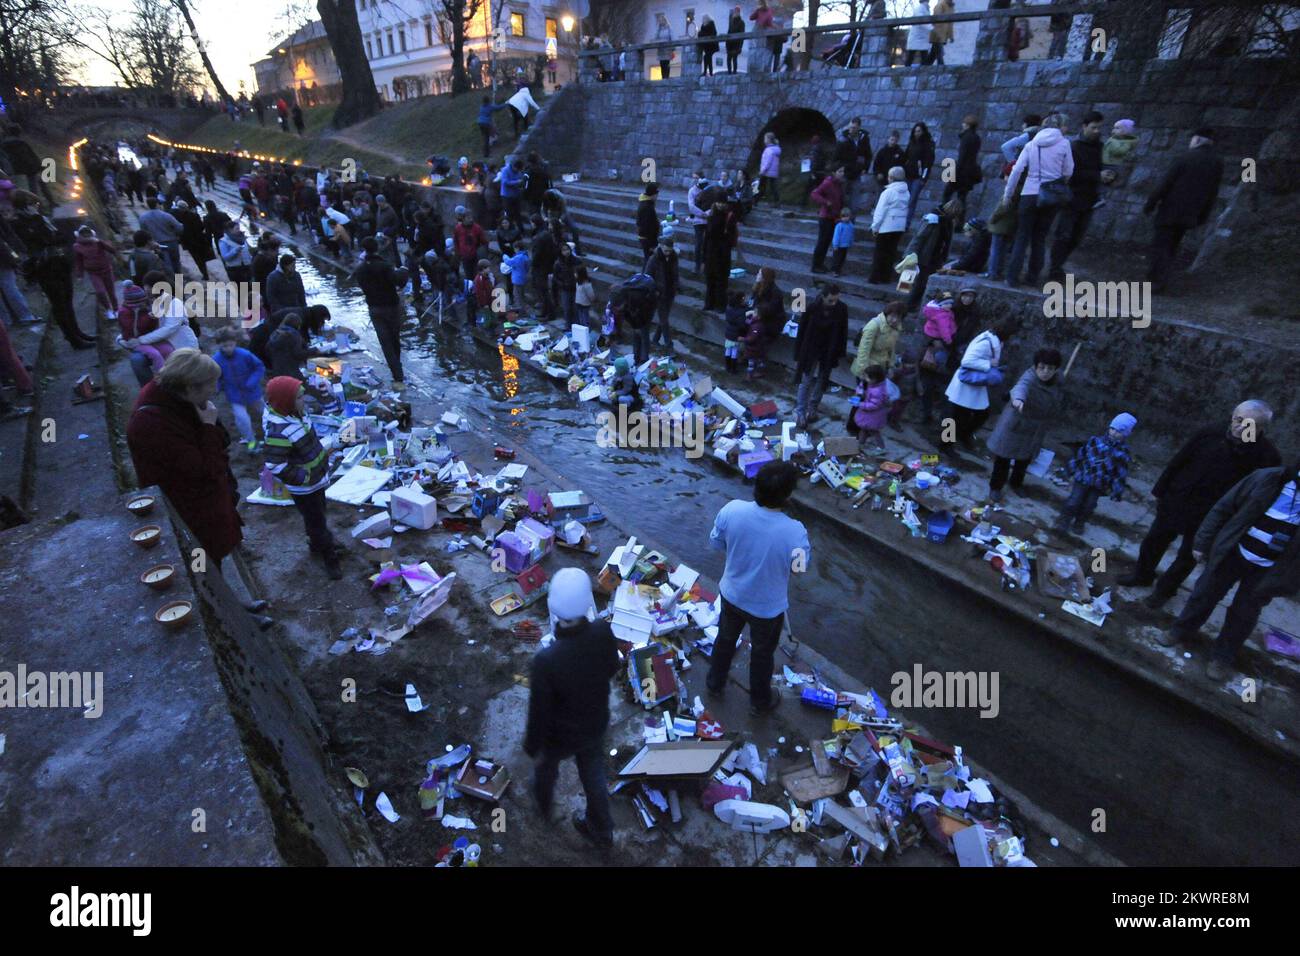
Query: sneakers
773, 701
600, 841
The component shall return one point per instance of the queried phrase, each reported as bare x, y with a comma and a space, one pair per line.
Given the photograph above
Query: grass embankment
398, 140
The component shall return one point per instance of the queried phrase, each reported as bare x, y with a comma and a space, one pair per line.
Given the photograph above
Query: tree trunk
184, 8
459, 78
814, 8
360, 98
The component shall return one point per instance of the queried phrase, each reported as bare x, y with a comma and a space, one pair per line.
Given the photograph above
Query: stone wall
1174, 376
714, 122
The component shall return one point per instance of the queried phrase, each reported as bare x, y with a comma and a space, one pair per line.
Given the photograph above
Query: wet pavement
1077, 736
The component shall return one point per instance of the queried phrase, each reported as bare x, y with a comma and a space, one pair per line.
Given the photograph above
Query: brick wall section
715, 123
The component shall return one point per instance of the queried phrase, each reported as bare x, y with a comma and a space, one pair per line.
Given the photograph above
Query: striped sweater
294, 453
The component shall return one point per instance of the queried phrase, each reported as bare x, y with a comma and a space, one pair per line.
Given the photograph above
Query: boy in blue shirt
841, 239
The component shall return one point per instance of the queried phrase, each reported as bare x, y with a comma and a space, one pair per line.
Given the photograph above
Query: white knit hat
570, 597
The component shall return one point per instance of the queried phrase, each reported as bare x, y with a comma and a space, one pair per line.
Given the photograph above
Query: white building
408, 56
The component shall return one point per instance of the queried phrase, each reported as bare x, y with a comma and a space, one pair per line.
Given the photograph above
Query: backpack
634, 299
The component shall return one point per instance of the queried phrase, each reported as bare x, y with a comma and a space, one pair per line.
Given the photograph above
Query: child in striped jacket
298, 457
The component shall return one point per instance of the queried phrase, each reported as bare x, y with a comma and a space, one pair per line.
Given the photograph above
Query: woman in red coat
177, 444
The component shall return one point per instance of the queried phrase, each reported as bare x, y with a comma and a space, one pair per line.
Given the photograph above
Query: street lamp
566, 21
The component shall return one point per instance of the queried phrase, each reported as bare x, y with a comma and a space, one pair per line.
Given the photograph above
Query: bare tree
147, 48
453, 18
360, 98
184, 7
35, 37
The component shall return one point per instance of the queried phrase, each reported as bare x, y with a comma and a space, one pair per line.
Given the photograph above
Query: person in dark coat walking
379, 282
286, 349
647, 220
967, 174
194, 236
918, 160
1248, 539
1183, 200
1211, 462
284, 288
818, 348
1022, 427
735, 27
568, 703
662, 267
721, 234
178, 444
1085, 186
49, 263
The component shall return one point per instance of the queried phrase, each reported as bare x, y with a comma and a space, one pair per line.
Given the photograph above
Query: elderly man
1249, 540
568, 703
1211, 462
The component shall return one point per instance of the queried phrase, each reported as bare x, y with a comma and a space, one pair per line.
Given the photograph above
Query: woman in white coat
968, 392
918, 35
888, 224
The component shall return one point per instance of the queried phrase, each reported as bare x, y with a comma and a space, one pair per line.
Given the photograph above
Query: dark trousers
767, 189
312, 508
591, 771
932, 386
825, 230
1071, 226
641, 344
1002, 467
1032, 225
648, 246
201, 255
486, 133
717, 276
239, 273
884, 257
664, 333
1161, 535
545, 302
951, 189
698, 256
57, 286
733, 58
837, 259
519, 119
665, 67
387, 320
968, 422
764, 636
1081, 503
1243, 613
1164, 249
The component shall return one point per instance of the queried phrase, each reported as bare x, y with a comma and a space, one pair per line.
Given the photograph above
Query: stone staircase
605, 212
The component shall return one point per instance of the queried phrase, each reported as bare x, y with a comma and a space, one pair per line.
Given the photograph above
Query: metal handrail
865, 25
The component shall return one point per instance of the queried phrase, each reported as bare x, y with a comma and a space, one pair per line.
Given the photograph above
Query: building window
552, 29
428, 33
690, 22
401, 36
390, 42
516, 23
369, 53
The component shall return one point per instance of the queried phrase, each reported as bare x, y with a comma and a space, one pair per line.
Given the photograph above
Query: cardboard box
483, 778
679, 759
764, 409
751, 461
839, 446
376, 526
411, 506
972, 847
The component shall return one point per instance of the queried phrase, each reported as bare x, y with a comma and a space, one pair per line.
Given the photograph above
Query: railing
873, 50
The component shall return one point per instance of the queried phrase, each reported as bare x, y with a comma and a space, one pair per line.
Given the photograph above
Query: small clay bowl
141, 505
174, 613
147, 536
159, 577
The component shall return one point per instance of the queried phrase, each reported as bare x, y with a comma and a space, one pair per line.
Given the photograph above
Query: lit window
516, 24
552, 30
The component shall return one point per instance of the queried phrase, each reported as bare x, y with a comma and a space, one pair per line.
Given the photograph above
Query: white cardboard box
411, 506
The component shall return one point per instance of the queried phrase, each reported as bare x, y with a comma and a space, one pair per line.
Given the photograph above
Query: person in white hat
568, 703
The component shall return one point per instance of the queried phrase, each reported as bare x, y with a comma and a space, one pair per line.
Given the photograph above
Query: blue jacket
512, 182
486, 110
842, 238
518, 265
1101, 464
241, 376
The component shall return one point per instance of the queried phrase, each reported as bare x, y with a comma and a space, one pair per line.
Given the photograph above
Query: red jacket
93, 255
136, 322
483, 290
830, 197
187, 459
468, 239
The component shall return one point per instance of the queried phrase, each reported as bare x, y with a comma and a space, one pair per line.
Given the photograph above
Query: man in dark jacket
284, 288
967, 173
379, 282
1248, 539
542, 255
568, 703
823, 335
1211, 462
265, 261
662, 267
194, 237
853, 152
286, 349
647, 220
1085, 186
890, 155
537, 180
1183, 200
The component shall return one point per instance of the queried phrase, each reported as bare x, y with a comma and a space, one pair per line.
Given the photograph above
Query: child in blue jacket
1099, 467
517, 263
241, 380
841, 239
